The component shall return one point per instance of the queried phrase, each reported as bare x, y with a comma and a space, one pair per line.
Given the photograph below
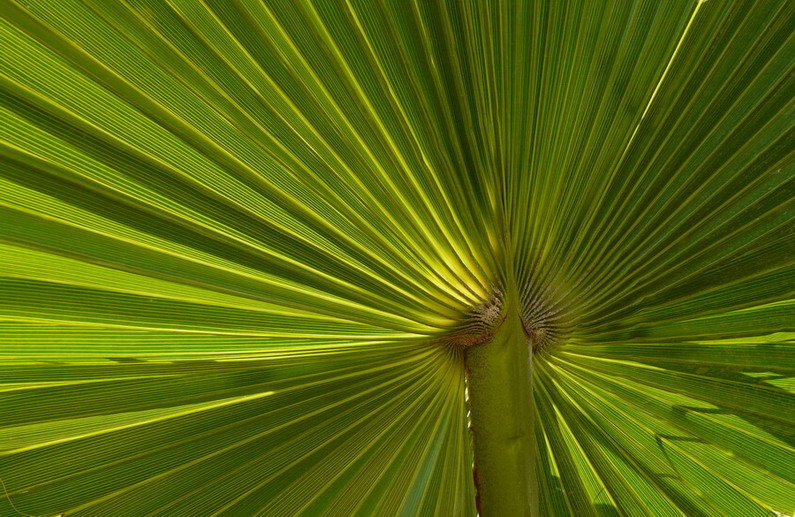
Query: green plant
251, 252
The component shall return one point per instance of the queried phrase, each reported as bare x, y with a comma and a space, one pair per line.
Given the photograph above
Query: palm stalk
499, 385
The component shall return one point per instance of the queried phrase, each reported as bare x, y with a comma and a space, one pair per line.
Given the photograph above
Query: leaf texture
235, 236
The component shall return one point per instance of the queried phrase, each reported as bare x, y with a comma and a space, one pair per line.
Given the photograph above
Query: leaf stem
499, 381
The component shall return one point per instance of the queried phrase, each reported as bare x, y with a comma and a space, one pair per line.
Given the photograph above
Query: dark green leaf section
234, 235
278, 434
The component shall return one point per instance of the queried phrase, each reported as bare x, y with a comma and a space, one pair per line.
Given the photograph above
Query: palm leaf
246, 248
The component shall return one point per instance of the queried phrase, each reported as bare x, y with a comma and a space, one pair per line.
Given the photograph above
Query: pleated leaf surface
235, 237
